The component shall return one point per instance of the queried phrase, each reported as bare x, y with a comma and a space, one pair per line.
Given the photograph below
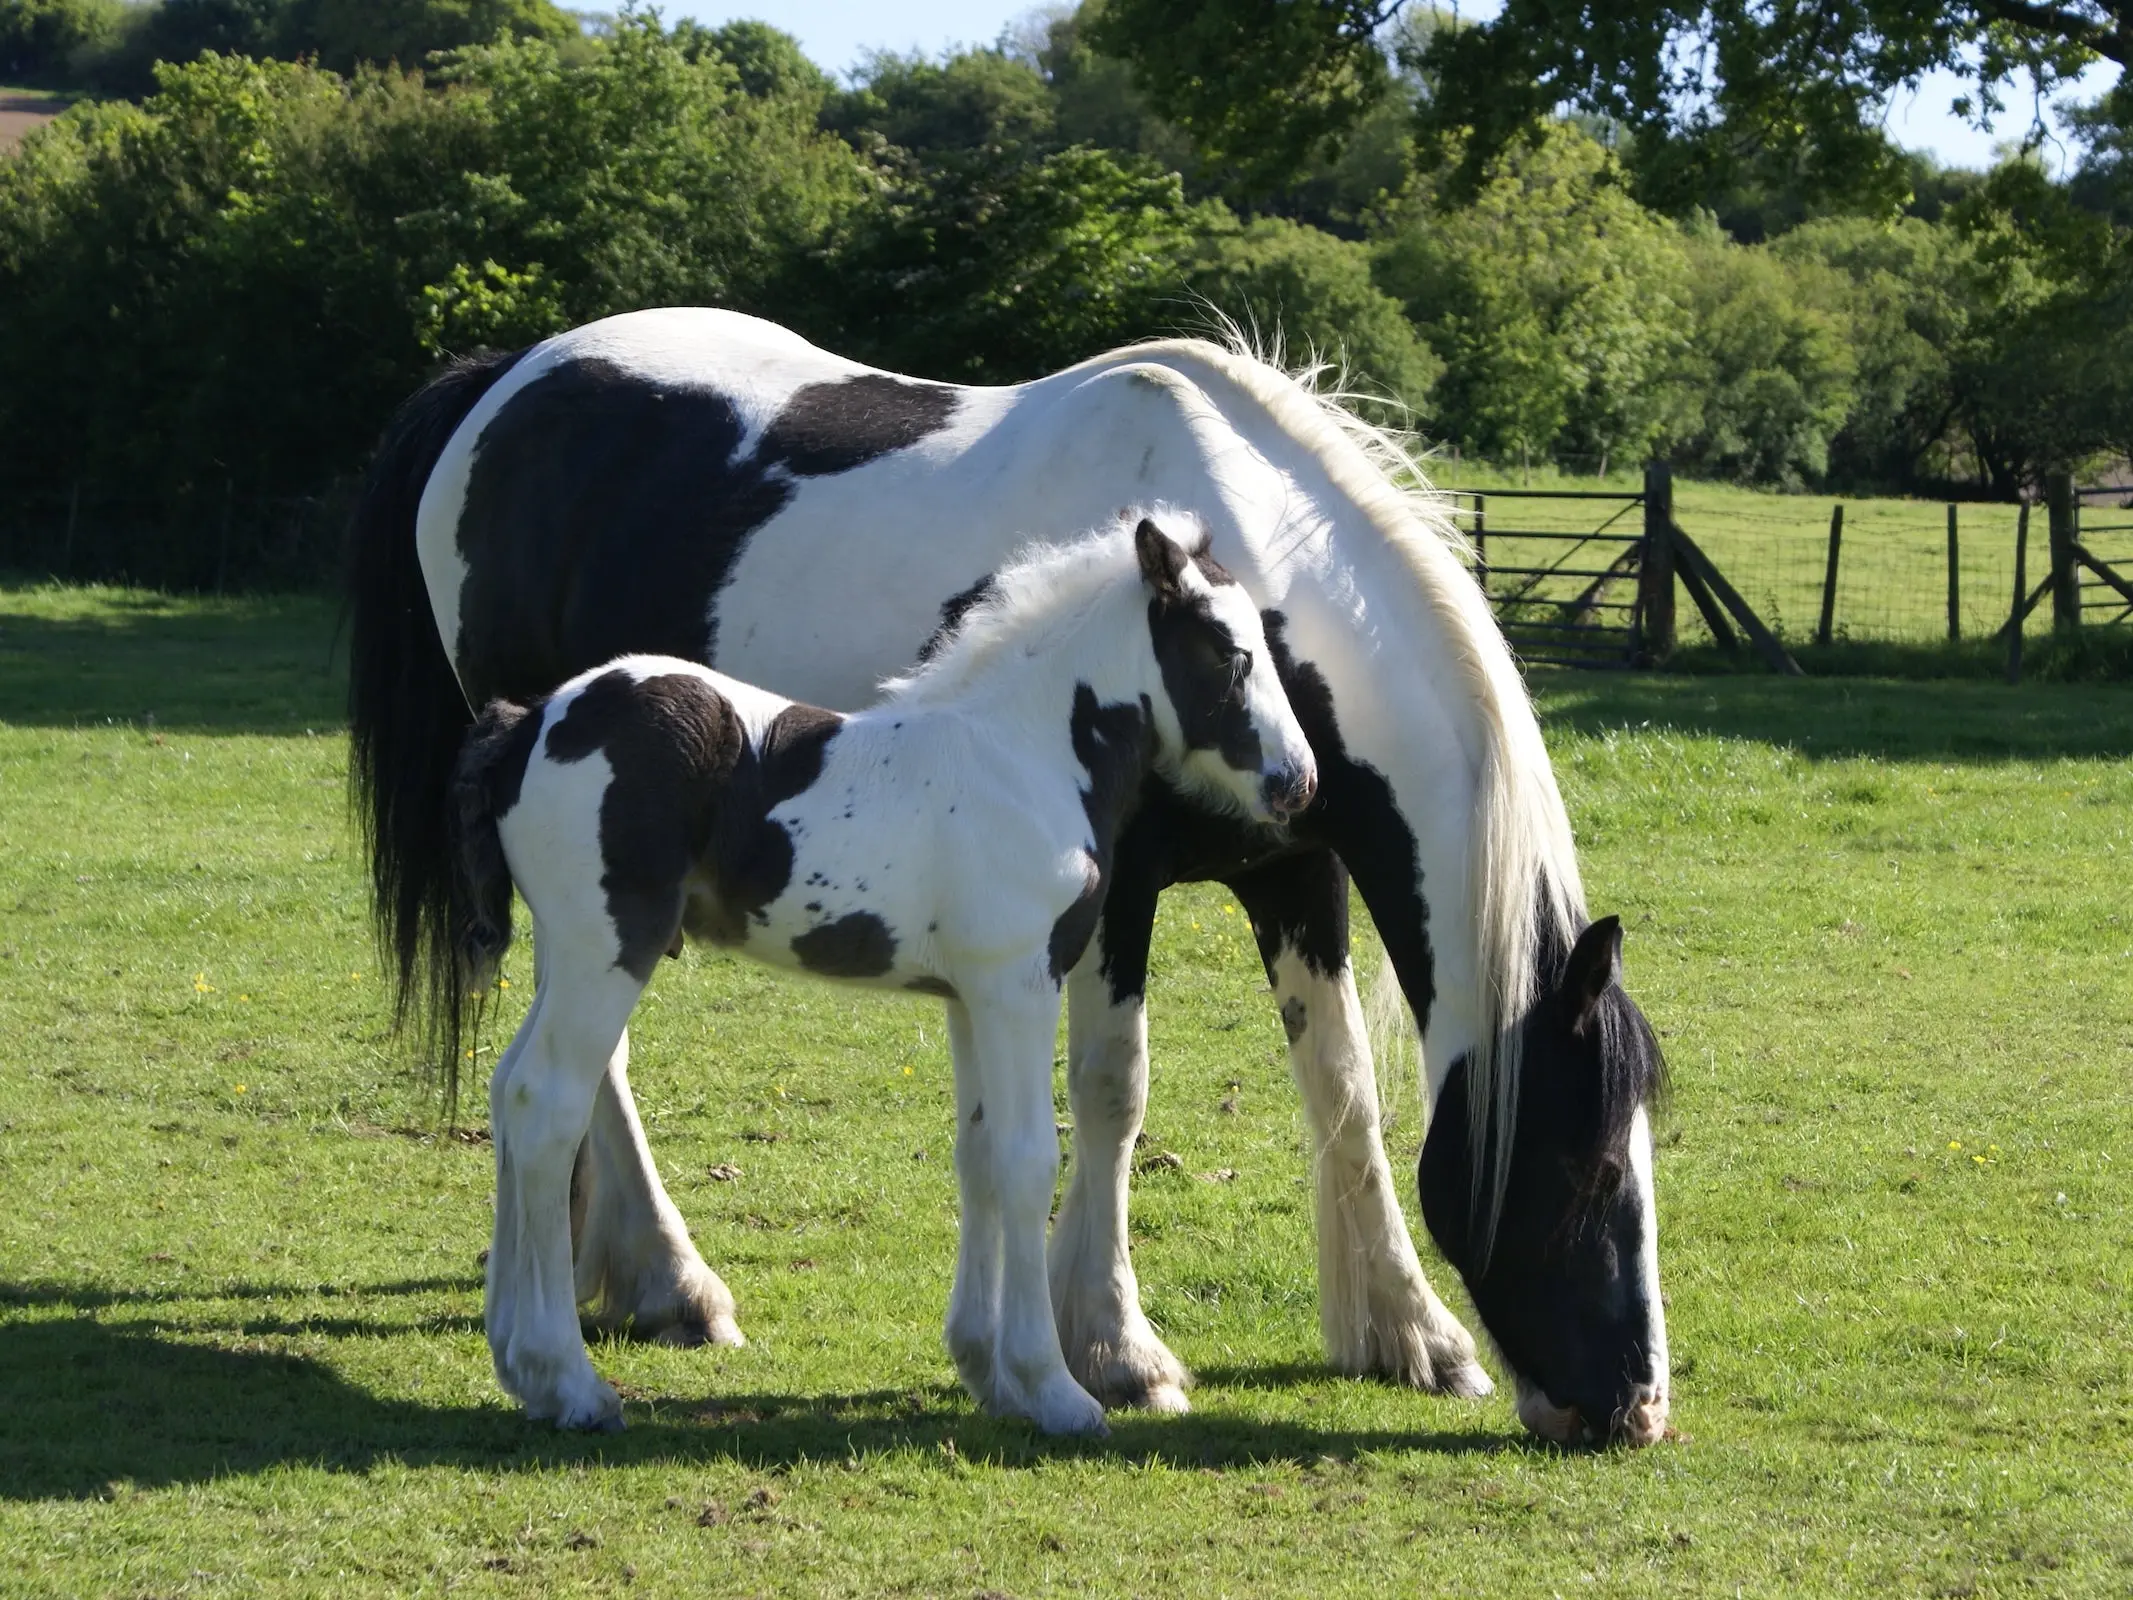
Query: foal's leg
541, 1098
1007, 1149
1096, 1299
974, 1303
635, 1260
1377, 1312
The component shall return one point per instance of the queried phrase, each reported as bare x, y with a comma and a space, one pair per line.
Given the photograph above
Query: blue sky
839, 33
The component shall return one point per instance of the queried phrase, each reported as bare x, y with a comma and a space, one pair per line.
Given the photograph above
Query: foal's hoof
607, 1424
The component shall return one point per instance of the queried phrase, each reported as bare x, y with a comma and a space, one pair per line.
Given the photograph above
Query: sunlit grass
1882, 927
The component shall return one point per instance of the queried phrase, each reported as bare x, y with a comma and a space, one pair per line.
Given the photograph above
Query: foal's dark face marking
1205, 671
1563, 1292
605, 512
689, 795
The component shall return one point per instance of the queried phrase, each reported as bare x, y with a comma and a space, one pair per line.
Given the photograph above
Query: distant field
24, 110
1892, 582
1881, 928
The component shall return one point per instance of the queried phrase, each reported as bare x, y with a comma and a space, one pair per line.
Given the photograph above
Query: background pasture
1882, 928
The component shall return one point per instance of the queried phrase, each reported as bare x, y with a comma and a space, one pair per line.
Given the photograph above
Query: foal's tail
477, 919
406, 715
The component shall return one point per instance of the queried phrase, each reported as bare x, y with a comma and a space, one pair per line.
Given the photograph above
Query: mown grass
1882, 928
1892, 572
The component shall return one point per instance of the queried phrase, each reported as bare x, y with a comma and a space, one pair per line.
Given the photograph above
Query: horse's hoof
1464, 1381
610, 1423
692, 1333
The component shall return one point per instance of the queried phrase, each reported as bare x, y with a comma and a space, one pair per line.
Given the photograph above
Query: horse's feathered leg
974, 1303
1377, 1312
635, 1263
1109, 1344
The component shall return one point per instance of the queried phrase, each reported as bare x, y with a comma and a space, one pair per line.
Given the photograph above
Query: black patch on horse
953, 610
1114, 744
856, 945
827, 428
1204, 672
1356, 815
605, 512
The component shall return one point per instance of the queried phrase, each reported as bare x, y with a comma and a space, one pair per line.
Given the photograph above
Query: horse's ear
1162, 560
1595, 962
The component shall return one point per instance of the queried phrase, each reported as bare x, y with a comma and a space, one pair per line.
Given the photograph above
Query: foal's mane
1044, 593
1527, 898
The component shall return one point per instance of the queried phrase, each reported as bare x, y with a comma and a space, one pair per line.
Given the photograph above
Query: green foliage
981, 100
1558, 306
1317, 291
39, 39
1263, 86
983, 268
240, 277
1771, 372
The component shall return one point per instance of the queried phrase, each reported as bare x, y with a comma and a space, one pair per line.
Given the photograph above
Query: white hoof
1062, 1408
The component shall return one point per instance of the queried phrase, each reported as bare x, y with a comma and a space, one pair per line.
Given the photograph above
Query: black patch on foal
605, 512
689, 798
856, 945
1114, 744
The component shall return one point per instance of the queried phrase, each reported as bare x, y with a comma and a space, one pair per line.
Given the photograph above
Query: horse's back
710, 486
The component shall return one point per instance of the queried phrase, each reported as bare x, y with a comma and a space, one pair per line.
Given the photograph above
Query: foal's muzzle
1289, 791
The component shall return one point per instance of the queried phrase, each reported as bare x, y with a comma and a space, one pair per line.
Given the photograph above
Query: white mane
1523, 863
1042, 595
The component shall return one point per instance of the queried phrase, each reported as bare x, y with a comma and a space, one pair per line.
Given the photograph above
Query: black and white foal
954, 840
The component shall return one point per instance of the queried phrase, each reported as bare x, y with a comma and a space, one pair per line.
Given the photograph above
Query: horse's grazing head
1569, 1284
1223, 720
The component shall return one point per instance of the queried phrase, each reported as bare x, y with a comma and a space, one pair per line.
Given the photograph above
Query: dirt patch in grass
24, 110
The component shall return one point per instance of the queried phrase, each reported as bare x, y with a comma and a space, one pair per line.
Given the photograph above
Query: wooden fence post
1955, 583
1824, 628
2021, 593
1655, 575
2060, 506
1481, 541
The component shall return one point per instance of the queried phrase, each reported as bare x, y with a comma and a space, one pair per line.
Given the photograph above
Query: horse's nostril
1289, 791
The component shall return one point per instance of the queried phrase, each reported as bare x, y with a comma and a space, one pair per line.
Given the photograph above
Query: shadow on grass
1965, 721
260, 666
89, 1404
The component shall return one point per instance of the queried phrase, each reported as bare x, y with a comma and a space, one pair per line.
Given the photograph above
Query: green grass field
1892, 573
1883, 929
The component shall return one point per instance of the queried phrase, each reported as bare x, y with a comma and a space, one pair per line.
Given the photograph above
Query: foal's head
1224, 728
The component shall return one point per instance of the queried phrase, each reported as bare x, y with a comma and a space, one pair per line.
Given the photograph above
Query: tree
1705, 92
1263, 86
1558, 305
1273, 275
39, 39
983, 268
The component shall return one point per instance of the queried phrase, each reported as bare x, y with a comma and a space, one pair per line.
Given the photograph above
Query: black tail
406, 714
477, 931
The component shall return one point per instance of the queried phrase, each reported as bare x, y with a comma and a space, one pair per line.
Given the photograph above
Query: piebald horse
950, 840
709, 486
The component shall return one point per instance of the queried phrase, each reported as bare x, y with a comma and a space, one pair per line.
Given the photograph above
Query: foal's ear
1595, 962
1162, 560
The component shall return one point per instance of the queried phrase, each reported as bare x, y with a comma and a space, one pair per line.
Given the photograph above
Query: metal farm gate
1585, 577
1561, 569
